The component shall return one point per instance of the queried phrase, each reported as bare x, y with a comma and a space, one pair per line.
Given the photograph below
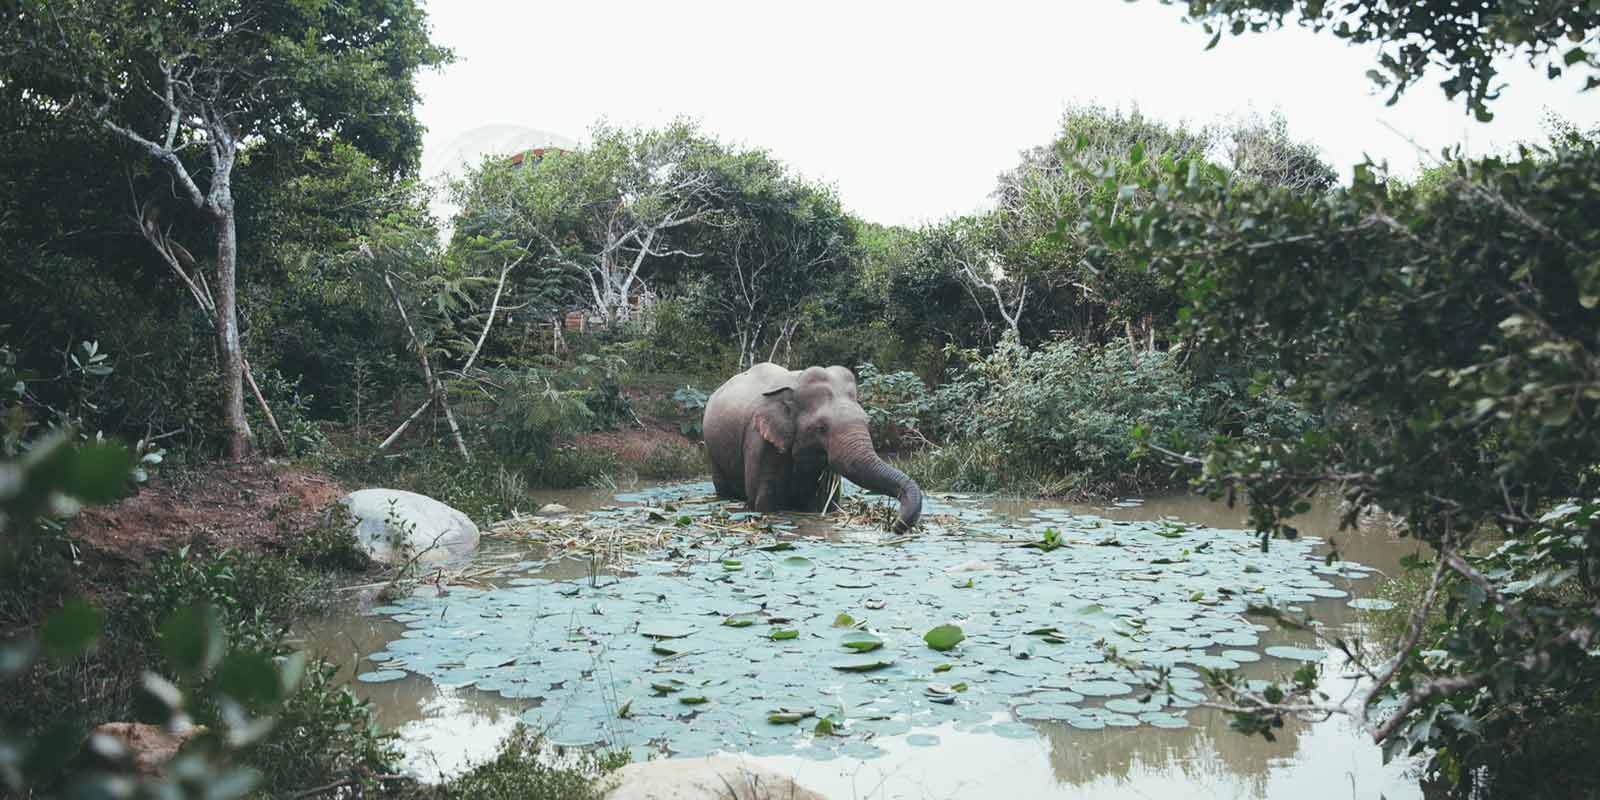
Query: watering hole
722, 636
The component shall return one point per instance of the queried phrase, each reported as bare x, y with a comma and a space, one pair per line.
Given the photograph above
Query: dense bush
1070, 409
898, 406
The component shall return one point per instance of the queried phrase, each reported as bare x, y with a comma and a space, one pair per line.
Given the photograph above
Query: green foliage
671, 461
1071, 409
1453, 325
522, 770
691, 404
292, 409
898, 405
679, 338
332, 546
1414, 36
213, 623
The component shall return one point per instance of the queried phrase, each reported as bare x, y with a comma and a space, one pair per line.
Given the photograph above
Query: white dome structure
449, 161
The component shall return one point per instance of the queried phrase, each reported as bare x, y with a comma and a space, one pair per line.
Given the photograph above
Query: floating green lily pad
861, 641
944, 637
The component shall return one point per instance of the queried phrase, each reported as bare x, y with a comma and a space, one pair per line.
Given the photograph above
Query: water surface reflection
442, 730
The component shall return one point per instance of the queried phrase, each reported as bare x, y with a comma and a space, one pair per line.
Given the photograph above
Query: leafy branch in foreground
1448, 328
1464, 38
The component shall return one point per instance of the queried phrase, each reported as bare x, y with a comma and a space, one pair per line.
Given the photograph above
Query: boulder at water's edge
393, 524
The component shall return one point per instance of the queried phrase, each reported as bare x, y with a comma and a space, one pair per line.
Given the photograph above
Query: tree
191, 89
1260, 149
1464, 38
1450, 323
611, 211
1094, 295
779, 240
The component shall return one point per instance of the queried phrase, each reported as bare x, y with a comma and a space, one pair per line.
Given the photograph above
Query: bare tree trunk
436, 393
240, 442
785, 340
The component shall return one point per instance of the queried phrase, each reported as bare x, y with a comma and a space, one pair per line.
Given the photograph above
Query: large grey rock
393, 524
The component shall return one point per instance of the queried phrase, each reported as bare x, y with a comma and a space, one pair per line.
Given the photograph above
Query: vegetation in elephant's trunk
855, 459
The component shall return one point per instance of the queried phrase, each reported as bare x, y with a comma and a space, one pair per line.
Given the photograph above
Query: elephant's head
818, 419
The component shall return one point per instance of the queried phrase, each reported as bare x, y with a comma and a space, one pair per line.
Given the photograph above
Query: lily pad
944, 637
381, 675
863, 664
861, 641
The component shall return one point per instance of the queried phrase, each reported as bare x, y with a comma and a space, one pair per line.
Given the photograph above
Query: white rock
554, 509
713, 778
394, 524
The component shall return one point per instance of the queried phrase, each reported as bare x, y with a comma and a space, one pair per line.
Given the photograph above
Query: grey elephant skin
771, 432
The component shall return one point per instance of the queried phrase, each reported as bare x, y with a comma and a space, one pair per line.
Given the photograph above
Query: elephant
771, 432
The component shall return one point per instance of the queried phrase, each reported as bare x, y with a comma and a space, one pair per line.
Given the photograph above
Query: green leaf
781, 634
844, 621
192, 640
71, 630
99, 473
944, 637
250, 678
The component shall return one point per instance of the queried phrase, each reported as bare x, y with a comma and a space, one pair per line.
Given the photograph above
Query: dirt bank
251, 505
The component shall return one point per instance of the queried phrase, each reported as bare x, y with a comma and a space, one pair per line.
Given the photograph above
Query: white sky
911, 109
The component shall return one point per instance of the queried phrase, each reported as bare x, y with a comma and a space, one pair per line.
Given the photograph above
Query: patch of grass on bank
522, 770
671, 461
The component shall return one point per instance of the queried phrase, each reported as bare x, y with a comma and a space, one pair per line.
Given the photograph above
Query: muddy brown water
442, 731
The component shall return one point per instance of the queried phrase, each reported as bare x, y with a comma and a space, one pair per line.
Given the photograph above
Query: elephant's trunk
853, 457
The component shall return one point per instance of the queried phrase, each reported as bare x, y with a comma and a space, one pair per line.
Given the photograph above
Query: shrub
678, 339
691, 406
897, 404
332, 545
522, 770
1071, 409
670, 461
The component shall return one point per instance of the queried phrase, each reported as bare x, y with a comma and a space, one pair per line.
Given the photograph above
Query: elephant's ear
775, 420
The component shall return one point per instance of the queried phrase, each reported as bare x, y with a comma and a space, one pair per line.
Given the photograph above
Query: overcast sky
912, 109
